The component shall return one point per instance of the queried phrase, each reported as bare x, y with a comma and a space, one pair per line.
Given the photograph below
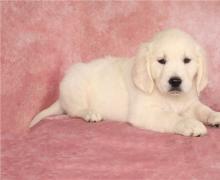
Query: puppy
157, 89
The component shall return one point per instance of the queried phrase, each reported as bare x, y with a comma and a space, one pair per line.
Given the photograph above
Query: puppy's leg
207, 115
78, 104
162, 121
82, 110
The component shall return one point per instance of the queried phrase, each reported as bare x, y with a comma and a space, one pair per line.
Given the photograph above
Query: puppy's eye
162, 61
186, 60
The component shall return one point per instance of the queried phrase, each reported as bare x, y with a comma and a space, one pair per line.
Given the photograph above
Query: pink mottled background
39, 40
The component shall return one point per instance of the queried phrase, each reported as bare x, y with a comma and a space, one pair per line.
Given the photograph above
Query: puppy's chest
177, 107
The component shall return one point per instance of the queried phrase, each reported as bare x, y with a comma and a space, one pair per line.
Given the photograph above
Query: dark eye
186, 60
162, 61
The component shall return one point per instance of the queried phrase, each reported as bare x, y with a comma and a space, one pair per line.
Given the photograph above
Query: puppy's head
171, 62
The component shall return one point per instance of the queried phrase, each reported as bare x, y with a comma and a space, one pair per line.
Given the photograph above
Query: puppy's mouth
175, 91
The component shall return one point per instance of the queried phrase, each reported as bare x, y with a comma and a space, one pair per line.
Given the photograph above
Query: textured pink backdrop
41, 39
39, 42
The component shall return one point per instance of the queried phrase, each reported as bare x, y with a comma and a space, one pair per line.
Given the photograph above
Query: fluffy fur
137, 90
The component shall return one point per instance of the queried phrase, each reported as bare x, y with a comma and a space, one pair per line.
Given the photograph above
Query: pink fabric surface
71, 149
39, 41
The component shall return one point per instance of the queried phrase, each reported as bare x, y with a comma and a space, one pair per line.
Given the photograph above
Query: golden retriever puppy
157, 89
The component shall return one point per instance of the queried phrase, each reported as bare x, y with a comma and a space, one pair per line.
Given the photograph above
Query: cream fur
136, 90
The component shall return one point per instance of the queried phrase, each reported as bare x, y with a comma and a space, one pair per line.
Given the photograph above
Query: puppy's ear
202, 77
141, 72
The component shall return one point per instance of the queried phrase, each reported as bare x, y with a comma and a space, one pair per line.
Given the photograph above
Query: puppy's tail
54, 109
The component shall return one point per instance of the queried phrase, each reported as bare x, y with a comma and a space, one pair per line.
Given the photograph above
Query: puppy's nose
175, 81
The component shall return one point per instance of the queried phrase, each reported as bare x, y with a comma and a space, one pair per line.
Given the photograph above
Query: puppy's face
174, 65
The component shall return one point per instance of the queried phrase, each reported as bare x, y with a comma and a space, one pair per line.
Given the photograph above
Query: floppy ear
141, 72
202, 77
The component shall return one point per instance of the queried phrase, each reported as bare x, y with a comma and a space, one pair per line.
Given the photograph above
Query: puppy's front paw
214, 120
190, 128
91, 116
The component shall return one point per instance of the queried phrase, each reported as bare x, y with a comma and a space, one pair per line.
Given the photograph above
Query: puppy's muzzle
175, 83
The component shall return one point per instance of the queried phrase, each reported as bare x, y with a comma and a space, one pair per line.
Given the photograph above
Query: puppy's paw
190, 127
91, 116
214, 120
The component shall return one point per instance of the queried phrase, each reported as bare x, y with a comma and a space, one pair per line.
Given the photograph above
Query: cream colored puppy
157, 89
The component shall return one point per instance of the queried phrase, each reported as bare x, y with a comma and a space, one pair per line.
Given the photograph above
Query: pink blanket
39, 40
71, 149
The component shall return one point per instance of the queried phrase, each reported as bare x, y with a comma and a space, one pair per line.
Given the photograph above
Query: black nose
175, 82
